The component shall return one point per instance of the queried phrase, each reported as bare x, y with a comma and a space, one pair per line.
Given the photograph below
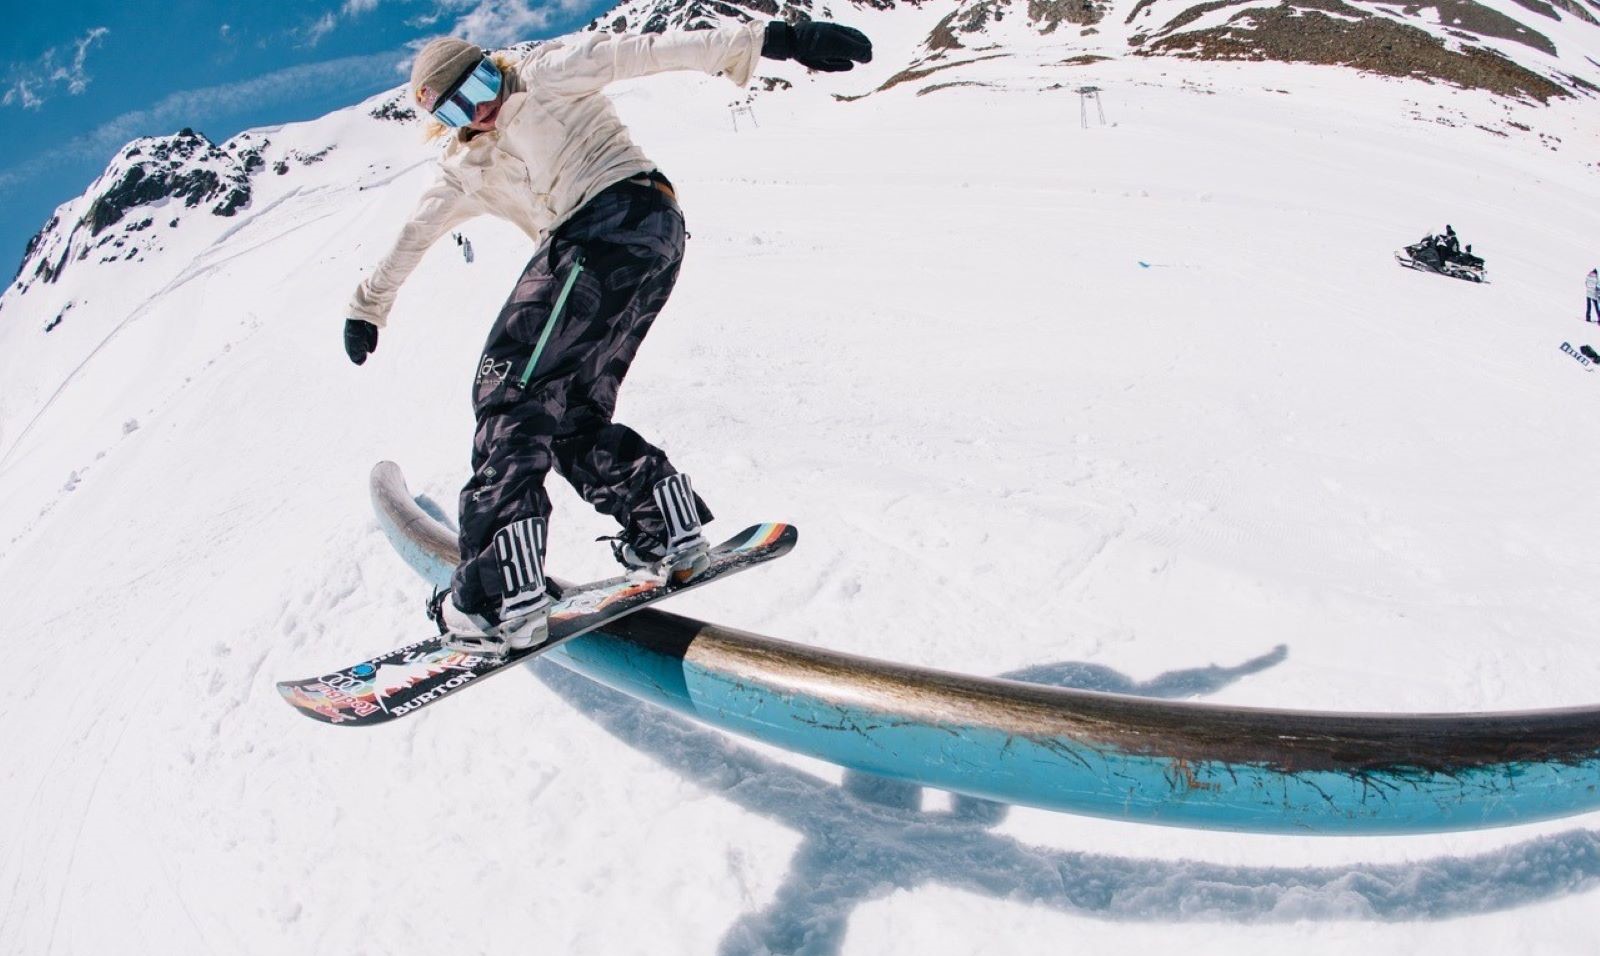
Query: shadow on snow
869, 837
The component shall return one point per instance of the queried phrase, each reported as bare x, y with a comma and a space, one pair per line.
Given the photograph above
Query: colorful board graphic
409, 678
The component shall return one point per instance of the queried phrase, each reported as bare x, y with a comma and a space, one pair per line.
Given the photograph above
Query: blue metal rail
1168, 762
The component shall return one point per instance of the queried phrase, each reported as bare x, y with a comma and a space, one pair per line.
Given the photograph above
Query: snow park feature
1269, 499
1189, 764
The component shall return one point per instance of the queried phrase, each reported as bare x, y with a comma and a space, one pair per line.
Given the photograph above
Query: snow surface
1152, 397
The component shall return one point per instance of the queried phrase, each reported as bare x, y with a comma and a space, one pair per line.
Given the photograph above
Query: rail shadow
868, 837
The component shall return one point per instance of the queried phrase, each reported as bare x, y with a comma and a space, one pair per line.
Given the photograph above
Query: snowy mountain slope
1521, 48
165, 212
918, 327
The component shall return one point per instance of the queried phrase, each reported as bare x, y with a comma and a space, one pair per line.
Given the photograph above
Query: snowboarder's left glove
360, 339
828, 47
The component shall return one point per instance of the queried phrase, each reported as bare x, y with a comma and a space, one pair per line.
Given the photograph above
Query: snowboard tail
409, 678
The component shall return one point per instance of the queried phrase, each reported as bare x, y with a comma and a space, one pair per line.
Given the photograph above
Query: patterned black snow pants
547, 384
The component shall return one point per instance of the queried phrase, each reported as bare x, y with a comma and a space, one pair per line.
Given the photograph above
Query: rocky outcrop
658, 16
186, 168
1507, 51
395, 109
149, 187
1336, 33
972, 20
115, 217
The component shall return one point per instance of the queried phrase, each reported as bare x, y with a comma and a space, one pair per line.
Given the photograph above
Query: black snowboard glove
360, 339
828, 47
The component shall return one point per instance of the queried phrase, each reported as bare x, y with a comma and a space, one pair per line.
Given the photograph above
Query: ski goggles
457, 106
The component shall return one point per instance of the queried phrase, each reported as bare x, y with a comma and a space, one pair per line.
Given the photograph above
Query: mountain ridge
1502, 46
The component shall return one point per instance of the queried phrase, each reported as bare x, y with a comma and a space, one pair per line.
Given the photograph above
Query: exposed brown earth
1047, 15
1301, 31
1571, 6
945, 86
906, 76
1479, 19
1052, 13
1136, 8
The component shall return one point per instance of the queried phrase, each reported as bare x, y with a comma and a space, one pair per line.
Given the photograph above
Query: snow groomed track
1174, 763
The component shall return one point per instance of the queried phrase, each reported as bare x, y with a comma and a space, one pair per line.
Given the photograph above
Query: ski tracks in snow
211, 259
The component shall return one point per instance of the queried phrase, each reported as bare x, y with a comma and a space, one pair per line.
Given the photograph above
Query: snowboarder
536, 142
1591, 301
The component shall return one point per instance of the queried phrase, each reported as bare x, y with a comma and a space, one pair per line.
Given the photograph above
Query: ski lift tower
1085, 94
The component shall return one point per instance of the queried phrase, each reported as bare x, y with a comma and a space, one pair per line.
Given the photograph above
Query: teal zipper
550, 323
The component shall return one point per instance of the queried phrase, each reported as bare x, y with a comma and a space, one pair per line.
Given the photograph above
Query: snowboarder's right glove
360, 339
828, 47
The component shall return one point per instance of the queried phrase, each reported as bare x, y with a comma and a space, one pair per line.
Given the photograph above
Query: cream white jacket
557, 142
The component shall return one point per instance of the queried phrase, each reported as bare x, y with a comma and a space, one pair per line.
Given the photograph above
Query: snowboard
409, 678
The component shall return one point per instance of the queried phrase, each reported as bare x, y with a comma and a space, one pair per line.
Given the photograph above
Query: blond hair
435, 129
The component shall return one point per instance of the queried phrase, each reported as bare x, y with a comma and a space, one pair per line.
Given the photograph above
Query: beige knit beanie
443, 61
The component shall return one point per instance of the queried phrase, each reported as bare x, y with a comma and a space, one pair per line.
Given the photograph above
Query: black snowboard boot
679, 555
522, 618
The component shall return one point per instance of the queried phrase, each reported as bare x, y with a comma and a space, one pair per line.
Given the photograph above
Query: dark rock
33, 244
236, 200
975, 16
185, 166
710, 14
393, 110
1301, 31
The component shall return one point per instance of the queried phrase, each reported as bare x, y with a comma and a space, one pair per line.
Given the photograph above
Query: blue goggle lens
480, 86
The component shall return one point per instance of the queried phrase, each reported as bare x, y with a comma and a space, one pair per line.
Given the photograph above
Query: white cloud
320, 28
504, 22
196, 108
28, 85
22, 92
74, 76
487, 22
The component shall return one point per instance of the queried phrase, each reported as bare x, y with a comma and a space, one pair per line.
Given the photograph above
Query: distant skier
1591, 301
466, 249
536, 142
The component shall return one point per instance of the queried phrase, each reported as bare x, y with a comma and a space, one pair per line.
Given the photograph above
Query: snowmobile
1431, 254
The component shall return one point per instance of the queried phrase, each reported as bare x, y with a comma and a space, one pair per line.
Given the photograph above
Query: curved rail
1169, 762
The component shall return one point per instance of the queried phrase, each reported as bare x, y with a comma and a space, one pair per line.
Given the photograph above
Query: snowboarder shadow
868, 837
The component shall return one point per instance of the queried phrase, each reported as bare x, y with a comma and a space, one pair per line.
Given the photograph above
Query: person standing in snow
1591, 301
536, 142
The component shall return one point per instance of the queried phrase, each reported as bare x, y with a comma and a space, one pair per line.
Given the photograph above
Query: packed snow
1145, 407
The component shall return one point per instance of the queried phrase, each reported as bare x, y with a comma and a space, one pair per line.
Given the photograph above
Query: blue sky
80, 79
